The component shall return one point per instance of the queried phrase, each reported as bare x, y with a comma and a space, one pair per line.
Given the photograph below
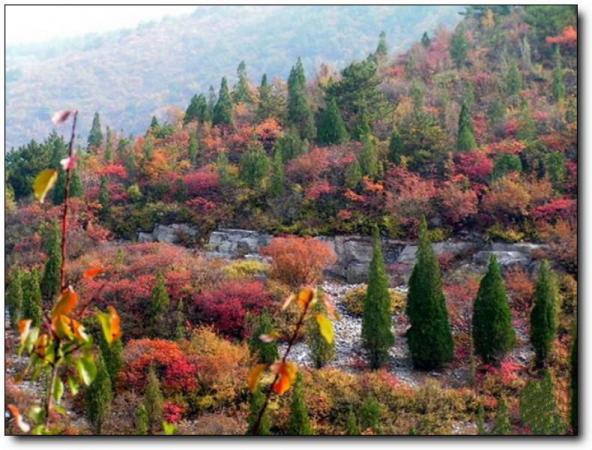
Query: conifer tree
222, 114
14, 296
331, 129
141, 420
299, 423
573, 413
212, 99
254, 166
395, 148
112, 357
95, 137
543, 317
98, 397
513, 80
368, 157
153, 402
158, 307
352, 427
299, 112
321, 351
429, 338
154, 123
425, 40
50, 282
493, 335
257, 400
264, 108
278, 179
193, 149
502, 425
382, 48
459, 46
104, 199
290, 145
197, 109
377, 332
191, 111
370, 412
242, 92
32, 307
266, 352
558, 83
466, 139
108, 145
538, 407
353, 175
180, 331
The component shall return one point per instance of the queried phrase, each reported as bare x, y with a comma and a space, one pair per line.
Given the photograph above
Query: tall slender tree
377, 331
265, 352
459, 46
242, 91
265, 106
429, 338
466, 138
14, 296
331, 128
382, 48
493, 335
32, 305
299, 111
299, 423
368, 157
95, 137
104, 198
321, 351
257, 400
543, 317
99, 396
153, 402
157, 308
50, 282
222, 114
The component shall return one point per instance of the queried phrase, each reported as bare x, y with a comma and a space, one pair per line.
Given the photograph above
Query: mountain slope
128, 75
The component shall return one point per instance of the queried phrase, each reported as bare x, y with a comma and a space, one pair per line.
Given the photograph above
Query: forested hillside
130, 75
469, 135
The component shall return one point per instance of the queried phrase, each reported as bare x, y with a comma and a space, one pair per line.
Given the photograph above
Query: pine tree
157, 308
352, 427
502, 426
429, 338
180, 331
95, 137
222, 114
573, 413
265, 352
141, 420
558, 83
382, 48
377, 332
370, 412
425, 40
254, 167
331, 129
278, 179
32, 307
104, 199
368, 157
290, 145
257, 401
538, 407
493, 334
50, 283
395, 148
108, 156
264, 108
513, 80
154, 123
98, 398
321, 351
14, 296
543, 317
112, 357
242, 92
191, 111
299, 423
299, 112
153, 402
193, 149
459, 47
353, 175
197, 109
466, 139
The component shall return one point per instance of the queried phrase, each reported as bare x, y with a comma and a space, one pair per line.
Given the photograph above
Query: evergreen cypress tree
153, 402
265, 352
429, 338
459, 46
254, 166
264, 108
502, 426
425, 40
108, 145
353, 175
14, 296
382, 48
98, 398
573, 413
290, 145
395, 148
538, 407
299, 112
543, 317
352, 427
278, 179
95, 137
222, 114
493, 334
32, 307
191, 111
513, 80
180, 331
558, 83
193, 149
370, 412
197, 109
321, 351
154, 123
368, 157
212, 99
112, 357
104, 199
331, 129
466, 139
242, 92
377, 332
158, 307
50, 283
257, 401
141, 420
299, 423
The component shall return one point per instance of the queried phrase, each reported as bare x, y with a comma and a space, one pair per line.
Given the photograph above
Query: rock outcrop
171, 234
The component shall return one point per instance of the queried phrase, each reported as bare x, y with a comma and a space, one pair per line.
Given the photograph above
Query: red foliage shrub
457, 204
201, 181
176, 372
226, 306
508, 371
317, 189
508, 146
298, 261
569, 37
311, 165
113, 170
561, 208
475, 165
172, 412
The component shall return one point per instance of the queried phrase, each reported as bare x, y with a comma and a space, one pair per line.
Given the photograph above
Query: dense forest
468, 136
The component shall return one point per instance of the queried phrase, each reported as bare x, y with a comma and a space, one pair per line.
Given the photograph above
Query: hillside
130, 75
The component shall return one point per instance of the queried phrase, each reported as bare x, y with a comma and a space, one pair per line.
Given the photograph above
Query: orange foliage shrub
520, 287
298, 261
508, 198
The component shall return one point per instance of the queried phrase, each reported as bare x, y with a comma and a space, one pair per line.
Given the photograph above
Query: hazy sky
28, 24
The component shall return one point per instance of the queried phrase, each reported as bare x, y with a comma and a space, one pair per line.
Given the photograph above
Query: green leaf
43, 183
73, 386
325, 327
36, 414
87, 370
57, 389
169, 428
